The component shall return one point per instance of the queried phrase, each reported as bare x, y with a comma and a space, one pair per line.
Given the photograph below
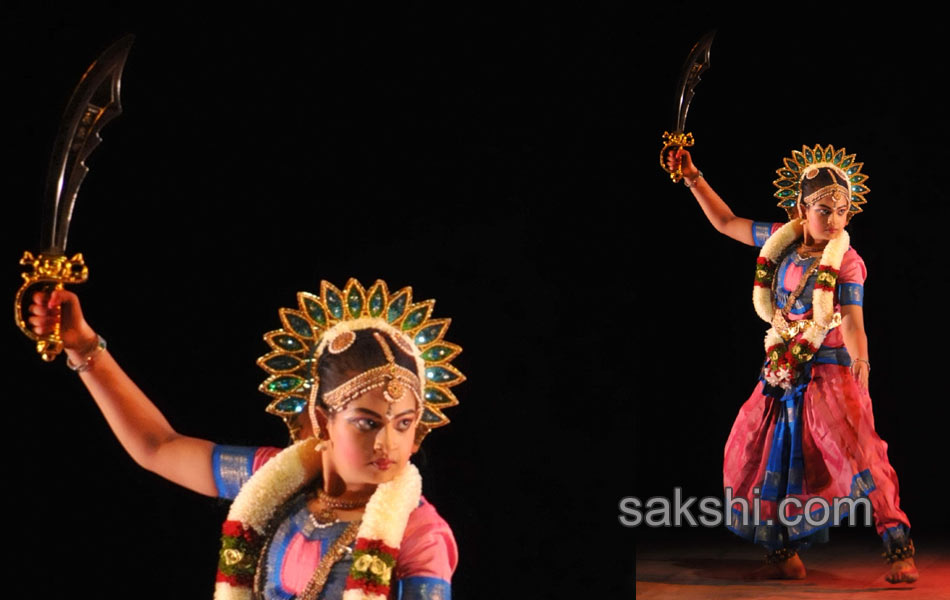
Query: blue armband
232, 466
761, 231
424, 588
851, 293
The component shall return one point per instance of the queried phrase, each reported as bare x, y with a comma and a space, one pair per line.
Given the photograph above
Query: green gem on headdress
431, 332
282, 384
377, 302
284, 341
397, 306
354, 302
311, 305
435, 396
292, 404
416, 316
332, 300
296, 322
794, 167
282, 362
293, 347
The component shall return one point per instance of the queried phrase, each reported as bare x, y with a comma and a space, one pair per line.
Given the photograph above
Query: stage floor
706, 564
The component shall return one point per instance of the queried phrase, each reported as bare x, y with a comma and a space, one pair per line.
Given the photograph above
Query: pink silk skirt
819, 442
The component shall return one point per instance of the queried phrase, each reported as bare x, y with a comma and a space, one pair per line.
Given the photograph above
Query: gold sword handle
51, 272
674, 140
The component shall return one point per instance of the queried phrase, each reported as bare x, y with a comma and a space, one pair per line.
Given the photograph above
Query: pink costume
816, 440
427, 555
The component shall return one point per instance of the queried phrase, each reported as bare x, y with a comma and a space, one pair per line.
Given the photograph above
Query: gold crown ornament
327, 323
796, 166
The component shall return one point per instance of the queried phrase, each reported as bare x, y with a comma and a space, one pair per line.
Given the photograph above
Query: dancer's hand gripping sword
94, 102
696, 63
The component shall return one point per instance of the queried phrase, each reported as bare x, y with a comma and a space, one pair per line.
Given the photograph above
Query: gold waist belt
789, 329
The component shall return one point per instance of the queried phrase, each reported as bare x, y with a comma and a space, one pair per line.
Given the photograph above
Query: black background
502, 161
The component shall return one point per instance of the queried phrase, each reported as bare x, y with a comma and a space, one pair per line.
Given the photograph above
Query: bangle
88, 356
864, 360
686, 180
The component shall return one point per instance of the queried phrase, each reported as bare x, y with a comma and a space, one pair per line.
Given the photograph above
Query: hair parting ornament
849, 182
327, 324
393, 378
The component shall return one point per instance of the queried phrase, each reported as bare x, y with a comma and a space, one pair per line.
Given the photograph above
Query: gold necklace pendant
325, 516
328, 505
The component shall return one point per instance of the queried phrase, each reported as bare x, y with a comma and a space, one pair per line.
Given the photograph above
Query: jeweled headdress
789, 183
321, 324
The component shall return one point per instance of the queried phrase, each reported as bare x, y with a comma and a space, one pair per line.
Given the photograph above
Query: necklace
804, 250
327, 516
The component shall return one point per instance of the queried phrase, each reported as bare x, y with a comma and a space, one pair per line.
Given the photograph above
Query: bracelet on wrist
691, 182
87, 357
864, 360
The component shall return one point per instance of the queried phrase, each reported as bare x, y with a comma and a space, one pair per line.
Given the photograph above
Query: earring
322, 446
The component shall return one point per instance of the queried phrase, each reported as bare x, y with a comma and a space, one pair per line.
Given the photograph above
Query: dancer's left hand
861, 371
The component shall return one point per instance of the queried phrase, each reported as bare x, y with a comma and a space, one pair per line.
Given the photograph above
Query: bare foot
903, 571
792, 568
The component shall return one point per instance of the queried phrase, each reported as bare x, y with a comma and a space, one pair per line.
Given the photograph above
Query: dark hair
823, 177
364, 354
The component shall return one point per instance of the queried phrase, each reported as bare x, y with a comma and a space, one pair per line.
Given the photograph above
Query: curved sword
94, 103
696, 63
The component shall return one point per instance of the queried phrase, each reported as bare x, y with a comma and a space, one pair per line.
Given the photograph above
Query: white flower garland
824, 317
772, 250
384, 519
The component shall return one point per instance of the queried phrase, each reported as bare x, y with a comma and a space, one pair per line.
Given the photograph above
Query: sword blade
696, 63
94, 102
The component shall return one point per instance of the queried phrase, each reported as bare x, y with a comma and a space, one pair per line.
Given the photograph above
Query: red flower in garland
238, 579
237, 530
764, 272
352, 583
374, 546
232, 528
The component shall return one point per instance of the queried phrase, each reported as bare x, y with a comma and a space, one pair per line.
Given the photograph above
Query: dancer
359, 377
807, 431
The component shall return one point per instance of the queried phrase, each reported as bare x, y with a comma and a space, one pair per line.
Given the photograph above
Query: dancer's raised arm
138, 424
716, 210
